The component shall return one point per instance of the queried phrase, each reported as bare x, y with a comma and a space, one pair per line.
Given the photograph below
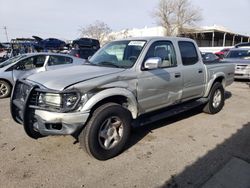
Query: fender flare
132, 102
212, 81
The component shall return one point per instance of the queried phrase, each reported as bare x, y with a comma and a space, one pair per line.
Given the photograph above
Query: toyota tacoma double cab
123, 84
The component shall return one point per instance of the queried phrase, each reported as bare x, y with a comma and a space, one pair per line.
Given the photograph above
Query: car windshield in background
243, 54
11, 60
119, 54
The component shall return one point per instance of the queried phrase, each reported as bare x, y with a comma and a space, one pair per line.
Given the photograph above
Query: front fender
132, 102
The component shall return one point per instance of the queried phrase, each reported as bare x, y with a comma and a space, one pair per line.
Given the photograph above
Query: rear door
193, 71
162, 86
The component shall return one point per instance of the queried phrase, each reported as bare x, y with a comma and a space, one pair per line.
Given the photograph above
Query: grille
21, 92
34, 98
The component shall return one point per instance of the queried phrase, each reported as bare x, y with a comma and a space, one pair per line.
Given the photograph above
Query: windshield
11, 60
119, 54
243, 54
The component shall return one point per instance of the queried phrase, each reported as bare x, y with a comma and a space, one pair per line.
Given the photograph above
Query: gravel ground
182, 151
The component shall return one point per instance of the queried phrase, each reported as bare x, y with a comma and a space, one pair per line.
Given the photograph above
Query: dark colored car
242, 44
209, 57
86, 42
83, 53
49, 44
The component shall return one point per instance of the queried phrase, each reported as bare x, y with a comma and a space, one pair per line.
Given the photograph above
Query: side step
167, 112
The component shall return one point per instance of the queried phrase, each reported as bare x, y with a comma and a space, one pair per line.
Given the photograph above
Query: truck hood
64, 77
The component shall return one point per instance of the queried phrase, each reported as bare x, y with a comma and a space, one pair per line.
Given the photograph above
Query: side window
31, 62
188, 53
59, 60
164, 50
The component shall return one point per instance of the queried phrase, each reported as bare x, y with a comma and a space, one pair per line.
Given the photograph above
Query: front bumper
242, 76
242, 73
53, 123
42, 121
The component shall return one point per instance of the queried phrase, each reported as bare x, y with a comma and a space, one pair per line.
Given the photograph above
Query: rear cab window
188, 52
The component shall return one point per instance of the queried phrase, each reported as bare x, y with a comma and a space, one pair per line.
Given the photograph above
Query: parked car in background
221, 54
49, 44
243, 44
241, 58
86, 43
27, 64
209, 57
125, 83
84, 47
83, 53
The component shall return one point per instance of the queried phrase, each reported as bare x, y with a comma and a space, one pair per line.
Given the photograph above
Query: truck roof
157, 38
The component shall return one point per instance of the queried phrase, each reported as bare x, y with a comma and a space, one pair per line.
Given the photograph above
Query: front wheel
107, 131
216, 99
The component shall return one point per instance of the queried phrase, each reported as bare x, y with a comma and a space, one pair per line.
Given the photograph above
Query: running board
167, 112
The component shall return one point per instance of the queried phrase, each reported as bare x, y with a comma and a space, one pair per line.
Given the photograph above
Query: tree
176, 15
98, 30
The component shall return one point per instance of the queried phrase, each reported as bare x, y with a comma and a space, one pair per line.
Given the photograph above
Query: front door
162, 86
29, 66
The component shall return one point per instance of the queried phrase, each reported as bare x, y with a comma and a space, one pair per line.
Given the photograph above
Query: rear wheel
216, 99
5, 89
107, 131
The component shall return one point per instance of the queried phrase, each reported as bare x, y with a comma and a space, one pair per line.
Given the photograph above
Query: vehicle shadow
139, 133
199, 172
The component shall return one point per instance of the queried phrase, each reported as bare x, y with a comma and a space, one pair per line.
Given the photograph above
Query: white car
27, 64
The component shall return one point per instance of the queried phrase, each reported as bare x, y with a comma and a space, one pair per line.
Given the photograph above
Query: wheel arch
120, 96
217, 78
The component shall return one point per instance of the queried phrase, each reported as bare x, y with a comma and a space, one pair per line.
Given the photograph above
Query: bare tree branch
98, 30
176, 15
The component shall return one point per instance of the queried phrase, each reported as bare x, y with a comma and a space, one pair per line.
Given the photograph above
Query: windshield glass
11, 60
119, 54
244, 54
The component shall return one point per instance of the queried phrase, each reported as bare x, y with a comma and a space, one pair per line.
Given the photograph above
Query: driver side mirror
153, 63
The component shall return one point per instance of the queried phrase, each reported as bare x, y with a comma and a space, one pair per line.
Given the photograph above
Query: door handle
200, 71
177, 75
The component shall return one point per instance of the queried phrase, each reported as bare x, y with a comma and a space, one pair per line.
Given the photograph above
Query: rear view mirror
152, 63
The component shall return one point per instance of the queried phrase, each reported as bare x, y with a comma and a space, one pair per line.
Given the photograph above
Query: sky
64, 18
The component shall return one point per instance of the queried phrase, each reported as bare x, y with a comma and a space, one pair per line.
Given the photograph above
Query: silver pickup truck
125, 81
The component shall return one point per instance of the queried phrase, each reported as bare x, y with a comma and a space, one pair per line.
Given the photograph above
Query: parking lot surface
181, 151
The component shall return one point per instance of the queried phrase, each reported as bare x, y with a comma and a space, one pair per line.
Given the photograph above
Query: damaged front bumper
39, 120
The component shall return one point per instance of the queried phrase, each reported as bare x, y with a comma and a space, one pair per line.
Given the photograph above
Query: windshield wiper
108, 64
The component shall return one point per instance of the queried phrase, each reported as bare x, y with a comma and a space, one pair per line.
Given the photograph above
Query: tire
107, 131
5, 89
216, 99
29, 129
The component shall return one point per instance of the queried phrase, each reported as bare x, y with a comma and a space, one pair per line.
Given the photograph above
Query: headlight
50, 99
59, 101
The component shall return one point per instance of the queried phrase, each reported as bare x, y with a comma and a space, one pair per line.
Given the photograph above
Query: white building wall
144, 32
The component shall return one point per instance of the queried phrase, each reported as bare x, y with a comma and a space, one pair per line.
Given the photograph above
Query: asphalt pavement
187, 150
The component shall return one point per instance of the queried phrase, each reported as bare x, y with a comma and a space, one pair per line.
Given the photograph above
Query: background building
208, 36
